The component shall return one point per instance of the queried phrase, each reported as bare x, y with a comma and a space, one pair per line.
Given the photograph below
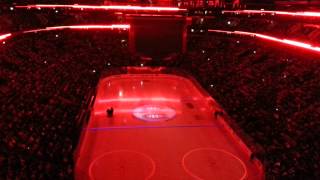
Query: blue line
147, 127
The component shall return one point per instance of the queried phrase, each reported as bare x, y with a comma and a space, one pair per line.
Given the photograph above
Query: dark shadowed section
163, 37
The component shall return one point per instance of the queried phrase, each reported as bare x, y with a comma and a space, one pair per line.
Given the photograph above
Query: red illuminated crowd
272, 94
19, 20
45, 81
305, 30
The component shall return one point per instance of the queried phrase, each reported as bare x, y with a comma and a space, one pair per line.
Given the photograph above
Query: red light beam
300, 14
5, 36
75, 6
84, 27
271, 38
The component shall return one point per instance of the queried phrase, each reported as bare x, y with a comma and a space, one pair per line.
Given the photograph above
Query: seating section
272, 94
47, 80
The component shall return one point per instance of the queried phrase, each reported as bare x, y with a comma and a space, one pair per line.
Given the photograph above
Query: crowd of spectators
300, 29
45, 78
284, 26
288, 27
17, 20
271, 93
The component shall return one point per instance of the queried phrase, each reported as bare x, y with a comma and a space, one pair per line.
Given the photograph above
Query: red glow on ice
302, 14
156, 99
162, 120
135, 8
271, 38
5, 36
118, 110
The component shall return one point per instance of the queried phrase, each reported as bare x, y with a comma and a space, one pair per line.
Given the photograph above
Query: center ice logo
154, 113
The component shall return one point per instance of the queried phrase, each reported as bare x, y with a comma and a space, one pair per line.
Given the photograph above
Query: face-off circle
122, 164
212, 163
154, 113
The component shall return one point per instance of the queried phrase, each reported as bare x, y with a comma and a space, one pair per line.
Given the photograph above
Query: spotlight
120, 93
